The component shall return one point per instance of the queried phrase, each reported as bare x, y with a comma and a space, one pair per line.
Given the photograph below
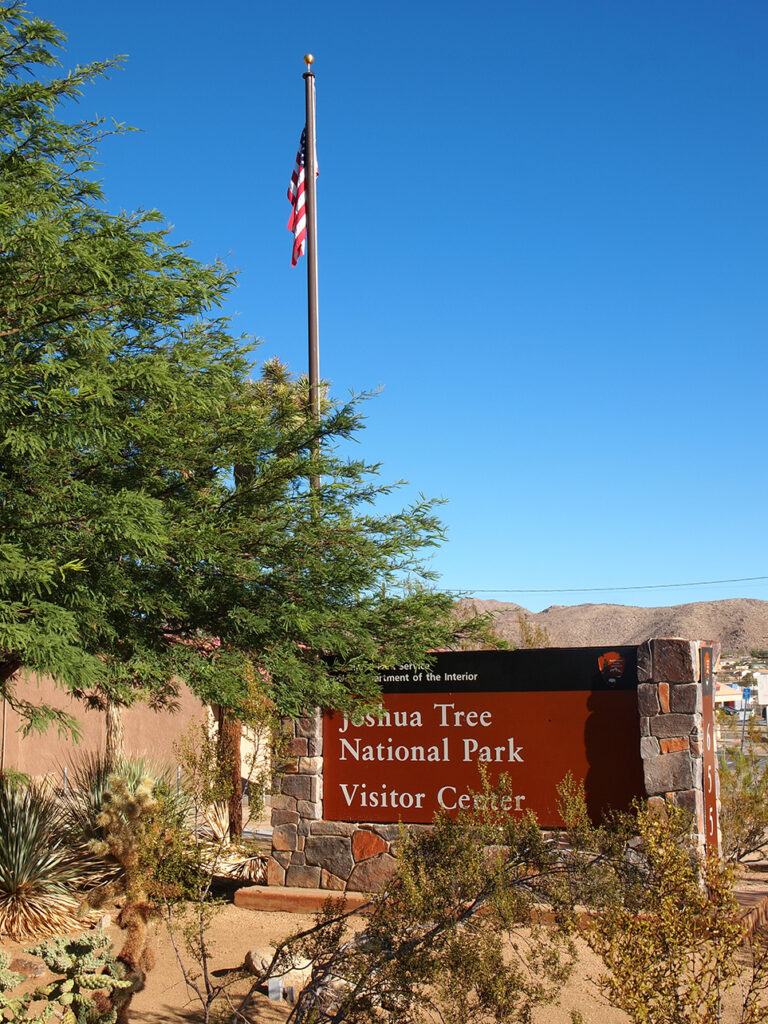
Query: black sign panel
534, 671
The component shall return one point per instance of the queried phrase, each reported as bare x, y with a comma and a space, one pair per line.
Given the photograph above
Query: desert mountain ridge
738, 624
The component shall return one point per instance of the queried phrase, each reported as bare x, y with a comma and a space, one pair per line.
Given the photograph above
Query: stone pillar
297, 800
309, 852
669, 697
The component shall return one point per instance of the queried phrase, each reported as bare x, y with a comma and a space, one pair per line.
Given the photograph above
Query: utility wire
591, 590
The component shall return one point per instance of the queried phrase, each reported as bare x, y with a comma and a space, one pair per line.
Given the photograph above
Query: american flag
297, 222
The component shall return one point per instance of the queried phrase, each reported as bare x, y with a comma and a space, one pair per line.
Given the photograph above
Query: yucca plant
38, 873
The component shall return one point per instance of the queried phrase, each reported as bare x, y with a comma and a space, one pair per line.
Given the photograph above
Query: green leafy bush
743, 800
435, 942
666, 925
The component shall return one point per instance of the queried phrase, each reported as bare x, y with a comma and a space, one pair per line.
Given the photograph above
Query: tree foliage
456, 935
744, 797
665, 924
154, 505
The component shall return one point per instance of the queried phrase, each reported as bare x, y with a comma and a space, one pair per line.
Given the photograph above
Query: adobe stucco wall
147, 733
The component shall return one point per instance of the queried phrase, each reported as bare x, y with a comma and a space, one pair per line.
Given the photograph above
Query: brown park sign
534, 715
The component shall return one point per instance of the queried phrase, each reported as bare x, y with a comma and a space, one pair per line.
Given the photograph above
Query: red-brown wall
147, 733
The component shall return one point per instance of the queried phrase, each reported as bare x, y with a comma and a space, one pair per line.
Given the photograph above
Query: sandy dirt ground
234, 931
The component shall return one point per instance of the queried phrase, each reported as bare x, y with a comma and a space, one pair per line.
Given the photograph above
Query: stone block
664, 697
675, 660
28, 967
280, 802
647, 700
300, 841
686, 698
676, 743
311, 765
644, 663
309, 725
649, 747
388, 832
284, 837
334, 853
303, 877
657, 804
329, 881
314, 746
310, 809
645, 726
275, 872
284, 817
298, 746
367, 844
332, 828
297, 786
689, 800
283, 857
670, 725
372, 875
696, 747
298, 860
668, 772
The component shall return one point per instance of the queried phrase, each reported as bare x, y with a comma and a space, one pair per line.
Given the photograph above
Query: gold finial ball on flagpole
309, 60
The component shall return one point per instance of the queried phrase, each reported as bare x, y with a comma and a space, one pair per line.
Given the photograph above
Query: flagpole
310, 186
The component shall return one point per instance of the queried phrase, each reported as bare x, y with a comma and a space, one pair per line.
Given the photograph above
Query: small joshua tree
126, 819
123, 813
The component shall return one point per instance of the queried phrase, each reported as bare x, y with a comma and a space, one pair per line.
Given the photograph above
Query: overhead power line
594, 590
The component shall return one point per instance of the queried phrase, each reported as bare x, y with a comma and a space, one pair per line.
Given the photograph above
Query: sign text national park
534, 715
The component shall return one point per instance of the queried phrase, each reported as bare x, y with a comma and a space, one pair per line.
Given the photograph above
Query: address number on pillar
711, 829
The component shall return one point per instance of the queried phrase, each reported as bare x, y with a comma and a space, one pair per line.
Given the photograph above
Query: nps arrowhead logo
611, 665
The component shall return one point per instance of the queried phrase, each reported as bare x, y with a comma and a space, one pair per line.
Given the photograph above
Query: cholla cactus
85, 954
92, 990
11, 1008
8, 978
120, 818
93, 985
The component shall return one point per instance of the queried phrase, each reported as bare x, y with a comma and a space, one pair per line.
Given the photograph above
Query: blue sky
543, 233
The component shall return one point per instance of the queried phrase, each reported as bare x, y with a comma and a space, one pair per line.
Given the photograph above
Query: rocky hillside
739, 624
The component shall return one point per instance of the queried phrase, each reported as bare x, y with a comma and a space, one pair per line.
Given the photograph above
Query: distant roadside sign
747, 693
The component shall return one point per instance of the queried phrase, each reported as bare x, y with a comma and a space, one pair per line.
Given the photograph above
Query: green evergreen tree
155, 513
